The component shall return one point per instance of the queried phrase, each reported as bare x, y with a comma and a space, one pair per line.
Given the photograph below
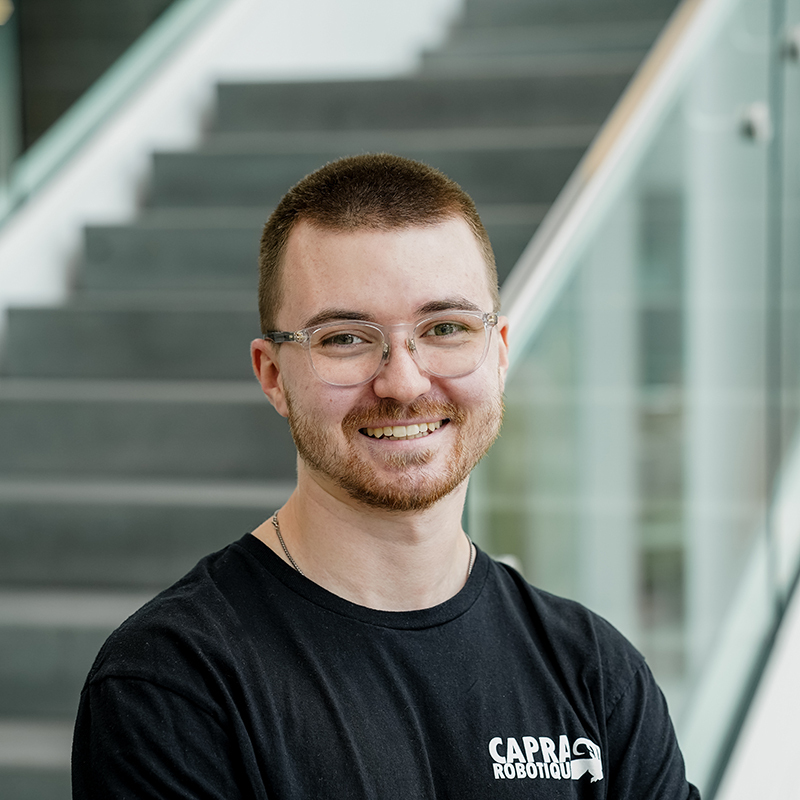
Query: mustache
388, 410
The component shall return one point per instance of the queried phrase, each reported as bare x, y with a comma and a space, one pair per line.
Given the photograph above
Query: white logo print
593, 765
542, 758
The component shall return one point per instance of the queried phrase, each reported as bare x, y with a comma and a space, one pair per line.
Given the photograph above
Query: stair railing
648, 462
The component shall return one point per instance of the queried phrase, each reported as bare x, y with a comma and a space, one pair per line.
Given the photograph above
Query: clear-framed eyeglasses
351, 352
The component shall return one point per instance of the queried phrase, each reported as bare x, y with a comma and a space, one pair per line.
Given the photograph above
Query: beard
413, 483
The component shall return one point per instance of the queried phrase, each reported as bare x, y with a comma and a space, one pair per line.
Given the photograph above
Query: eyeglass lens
349, 353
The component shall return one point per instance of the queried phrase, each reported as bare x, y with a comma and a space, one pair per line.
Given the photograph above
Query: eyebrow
336, 314
457, 303
447, 304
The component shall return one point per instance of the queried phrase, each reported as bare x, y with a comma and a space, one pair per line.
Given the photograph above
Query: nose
401, 378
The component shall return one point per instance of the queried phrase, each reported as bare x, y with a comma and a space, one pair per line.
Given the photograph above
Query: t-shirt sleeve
135, 739
645, 759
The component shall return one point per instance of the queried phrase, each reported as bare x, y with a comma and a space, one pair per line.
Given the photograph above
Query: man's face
388, 277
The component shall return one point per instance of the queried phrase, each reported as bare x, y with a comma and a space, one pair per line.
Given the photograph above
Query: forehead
382, 274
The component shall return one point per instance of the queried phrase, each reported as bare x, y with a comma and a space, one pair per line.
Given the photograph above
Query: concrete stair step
492, 13
159, 298
62, 532
513, 175
157, 429
48, 641
617, 64
520, 137
573, 40
34, 759
214, 250
549, 52
423, 102
178, 343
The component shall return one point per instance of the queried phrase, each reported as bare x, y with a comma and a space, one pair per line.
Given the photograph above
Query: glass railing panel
788, 519
725, 489
633, 472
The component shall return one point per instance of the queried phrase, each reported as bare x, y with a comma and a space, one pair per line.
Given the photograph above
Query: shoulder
196, 614
575, 641
568, 621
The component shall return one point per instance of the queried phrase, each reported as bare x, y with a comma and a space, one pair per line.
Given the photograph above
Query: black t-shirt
247, 680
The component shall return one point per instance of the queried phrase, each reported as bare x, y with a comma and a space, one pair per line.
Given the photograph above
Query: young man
357, 644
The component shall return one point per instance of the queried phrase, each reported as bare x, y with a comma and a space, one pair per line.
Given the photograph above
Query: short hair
377, 191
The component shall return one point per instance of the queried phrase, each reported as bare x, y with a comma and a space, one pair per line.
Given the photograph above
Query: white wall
320, 38
764, 761
241, 40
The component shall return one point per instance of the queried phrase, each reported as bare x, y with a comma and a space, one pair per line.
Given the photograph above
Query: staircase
133, 438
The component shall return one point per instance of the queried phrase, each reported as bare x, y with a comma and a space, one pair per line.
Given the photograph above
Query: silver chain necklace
283, 544
472, 549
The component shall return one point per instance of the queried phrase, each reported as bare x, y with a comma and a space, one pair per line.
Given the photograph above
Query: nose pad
416, 356
405, 380
410, 346
387, 352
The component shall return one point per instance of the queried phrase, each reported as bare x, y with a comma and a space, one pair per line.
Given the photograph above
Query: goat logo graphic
588, 761
545, 758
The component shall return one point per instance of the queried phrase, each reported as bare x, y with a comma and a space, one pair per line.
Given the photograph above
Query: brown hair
378, 191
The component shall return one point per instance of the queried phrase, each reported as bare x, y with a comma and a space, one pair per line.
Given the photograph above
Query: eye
342, 339
444, 329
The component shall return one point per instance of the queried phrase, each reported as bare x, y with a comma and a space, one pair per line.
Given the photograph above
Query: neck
385, 560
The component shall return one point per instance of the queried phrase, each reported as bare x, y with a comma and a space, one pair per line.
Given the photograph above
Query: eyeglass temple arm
279, 337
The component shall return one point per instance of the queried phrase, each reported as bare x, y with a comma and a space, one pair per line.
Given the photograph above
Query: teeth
404, 431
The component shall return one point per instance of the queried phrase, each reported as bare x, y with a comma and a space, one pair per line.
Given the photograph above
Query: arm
644, 758
135, 739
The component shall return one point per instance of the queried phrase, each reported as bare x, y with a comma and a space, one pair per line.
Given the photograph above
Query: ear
267, 370
502, 338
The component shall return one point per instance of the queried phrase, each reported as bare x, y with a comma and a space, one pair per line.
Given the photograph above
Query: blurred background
637, 165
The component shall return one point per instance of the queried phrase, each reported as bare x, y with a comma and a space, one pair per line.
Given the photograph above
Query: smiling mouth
397, 432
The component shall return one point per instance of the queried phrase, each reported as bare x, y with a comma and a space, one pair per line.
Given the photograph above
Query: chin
400, 478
